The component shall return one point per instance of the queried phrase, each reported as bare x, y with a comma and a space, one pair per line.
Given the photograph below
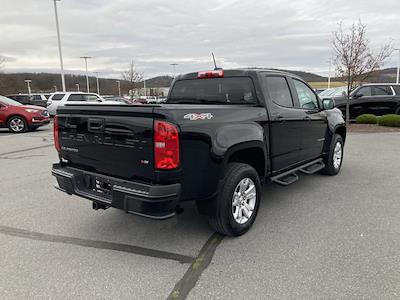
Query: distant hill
307, 76
11, 83
159, 81
44, 82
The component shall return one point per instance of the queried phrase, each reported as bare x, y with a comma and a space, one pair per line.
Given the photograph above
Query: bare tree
132, 75
353, 58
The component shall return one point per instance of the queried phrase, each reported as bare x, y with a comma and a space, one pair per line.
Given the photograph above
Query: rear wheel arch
250, 153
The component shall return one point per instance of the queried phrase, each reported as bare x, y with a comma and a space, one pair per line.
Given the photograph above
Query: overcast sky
155, 33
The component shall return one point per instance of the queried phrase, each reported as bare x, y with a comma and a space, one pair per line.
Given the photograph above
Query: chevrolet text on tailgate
220, 135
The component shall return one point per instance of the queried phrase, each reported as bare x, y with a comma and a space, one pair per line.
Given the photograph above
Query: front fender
335, 119
336, 123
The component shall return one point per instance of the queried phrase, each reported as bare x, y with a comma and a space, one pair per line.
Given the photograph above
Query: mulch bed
370, 128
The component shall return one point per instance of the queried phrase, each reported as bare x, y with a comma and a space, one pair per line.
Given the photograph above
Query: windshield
8, 101
333, 92
325, 93
232, 90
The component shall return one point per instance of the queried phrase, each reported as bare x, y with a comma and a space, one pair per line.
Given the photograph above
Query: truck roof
240, 72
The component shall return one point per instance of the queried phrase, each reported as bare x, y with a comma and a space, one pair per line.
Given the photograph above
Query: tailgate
112, 140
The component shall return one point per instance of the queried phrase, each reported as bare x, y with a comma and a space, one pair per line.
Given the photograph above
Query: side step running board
314, 168
287, 179
290, 176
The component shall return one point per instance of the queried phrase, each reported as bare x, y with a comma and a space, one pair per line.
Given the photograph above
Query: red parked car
20, 118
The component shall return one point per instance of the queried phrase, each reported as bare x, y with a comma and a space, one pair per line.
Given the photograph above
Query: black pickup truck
220, 135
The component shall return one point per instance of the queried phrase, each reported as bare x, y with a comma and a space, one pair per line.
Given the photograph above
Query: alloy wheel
17, 125
244, 200
337, 155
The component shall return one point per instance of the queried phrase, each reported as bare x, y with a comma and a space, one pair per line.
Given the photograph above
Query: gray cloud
155, 33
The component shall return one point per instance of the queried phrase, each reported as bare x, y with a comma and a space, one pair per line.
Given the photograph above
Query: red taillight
211, 74
166, 145
55, 134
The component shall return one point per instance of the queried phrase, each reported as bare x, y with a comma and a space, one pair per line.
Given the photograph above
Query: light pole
28, 82
77, 87
55, 88
329, 73
87, 78
173, 67
59, 47
398, 67
119, 87
97, 82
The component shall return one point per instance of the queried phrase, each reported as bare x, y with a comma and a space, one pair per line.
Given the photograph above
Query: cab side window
23, 99
75, 97
364, 91
91, 98
278, 90
307, 98
381, 90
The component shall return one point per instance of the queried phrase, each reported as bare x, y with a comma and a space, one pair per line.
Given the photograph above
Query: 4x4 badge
202, 116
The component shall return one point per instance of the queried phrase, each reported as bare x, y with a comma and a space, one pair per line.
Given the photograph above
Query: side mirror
355, 96
328, 104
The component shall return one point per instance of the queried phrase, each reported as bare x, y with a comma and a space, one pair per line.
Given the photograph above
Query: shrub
366, 119
389, 120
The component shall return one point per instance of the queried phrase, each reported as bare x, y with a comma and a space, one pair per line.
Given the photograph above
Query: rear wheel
17, 124
333, 160
398, 111
236, 206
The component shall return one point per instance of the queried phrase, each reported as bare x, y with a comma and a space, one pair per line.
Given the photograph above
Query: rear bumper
153, 201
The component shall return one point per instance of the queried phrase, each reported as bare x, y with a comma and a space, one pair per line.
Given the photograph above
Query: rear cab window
221, 90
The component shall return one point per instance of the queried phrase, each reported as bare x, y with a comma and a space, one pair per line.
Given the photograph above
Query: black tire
11, 124
397, 111
332, 167
222, 219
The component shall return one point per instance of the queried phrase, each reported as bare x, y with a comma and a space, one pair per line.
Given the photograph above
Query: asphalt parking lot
320, 238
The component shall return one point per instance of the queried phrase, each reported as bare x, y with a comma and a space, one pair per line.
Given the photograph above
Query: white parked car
61, 98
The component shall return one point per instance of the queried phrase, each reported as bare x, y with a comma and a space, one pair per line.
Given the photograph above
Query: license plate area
99, 186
